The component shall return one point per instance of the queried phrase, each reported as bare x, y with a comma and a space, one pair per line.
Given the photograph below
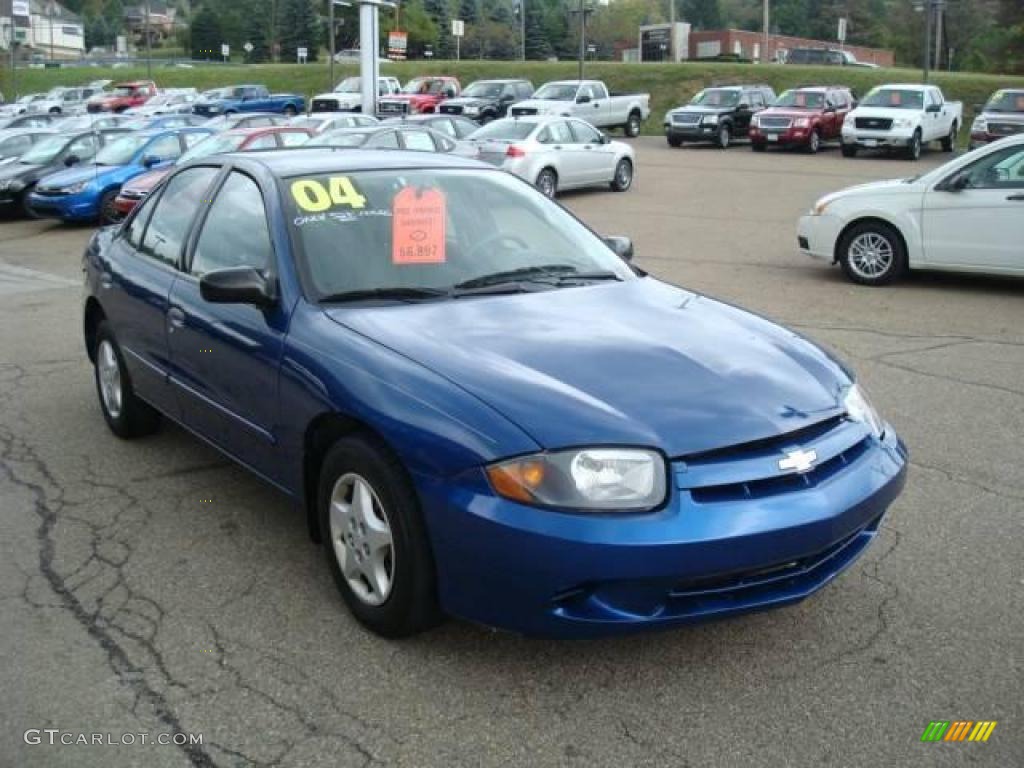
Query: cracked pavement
130, 603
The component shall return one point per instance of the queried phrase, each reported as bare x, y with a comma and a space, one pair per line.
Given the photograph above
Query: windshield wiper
397, 292
559, 272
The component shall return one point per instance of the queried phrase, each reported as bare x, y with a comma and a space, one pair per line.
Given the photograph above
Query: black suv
486, 100
718, 114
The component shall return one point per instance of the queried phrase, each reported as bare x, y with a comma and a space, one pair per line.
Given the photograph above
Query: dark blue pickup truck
247, 98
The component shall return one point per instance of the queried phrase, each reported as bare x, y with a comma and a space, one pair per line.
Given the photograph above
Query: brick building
710, 43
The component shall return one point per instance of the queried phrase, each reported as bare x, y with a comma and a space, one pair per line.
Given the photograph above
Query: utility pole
149, 52
522, 30
927, 36
583, 11
332, 34
671, 31
764, 42
49, 17
939, 12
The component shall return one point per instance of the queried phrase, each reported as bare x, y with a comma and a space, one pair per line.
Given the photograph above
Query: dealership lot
152, 587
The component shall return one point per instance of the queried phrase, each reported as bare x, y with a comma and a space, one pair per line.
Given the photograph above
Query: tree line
982, 35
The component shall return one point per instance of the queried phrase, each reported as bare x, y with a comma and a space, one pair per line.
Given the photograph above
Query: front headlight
710, 119
901, 122
802, 122
820, 206
74, 189
600, 479
859, 409
979, 125
471, 110
848, 121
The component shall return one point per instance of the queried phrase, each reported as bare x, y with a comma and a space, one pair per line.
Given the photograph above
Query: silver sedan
556, 153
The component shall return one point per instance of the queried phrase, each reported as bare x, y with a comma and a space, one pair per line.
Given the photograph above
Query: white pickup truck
347, 95
904, 118
588, 100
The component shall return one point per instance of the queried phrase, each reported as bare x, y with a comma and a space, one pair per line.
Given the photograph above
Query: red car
122, 96
802, 117
234, 140
420, 95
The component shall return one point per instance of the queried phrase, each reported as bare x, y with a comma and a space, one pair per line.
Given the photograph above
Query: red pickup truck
802, 117
420, 95
122, 96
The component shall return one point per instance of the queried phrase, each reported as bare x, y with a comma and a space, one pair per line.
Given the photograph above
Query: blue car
87, 192
482, 409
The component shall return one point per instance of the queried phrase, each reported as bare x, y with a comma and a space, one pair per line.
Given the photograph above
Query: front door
597, 158
981, 225
225, 357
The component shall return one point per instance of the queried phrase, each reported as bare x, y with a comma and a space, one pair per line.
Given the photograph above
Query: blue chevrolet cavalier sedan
481, 407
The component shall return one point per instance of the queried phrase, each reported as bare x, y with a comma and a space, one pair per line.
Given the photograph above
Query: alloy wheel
110, 378
361, 539
870, 255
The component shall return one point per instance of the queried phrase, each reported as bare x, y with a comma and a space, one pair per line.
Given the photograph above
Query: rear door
225, 357
565, 156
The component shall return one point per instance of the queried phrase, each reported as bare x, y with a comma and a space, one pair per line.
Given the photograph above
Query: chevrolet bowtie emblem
798, 461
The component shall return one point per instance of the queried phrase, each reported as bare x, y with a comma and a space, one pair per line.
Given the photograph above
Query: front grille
775, 122
685, 118
49, 192
1005, 129
451, 109
325, 105
873, 123
393, 107
521, 111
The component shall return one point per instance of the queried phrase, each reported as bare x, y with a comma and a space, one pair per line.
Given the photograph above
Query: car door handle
175, 318
558, 146
1018, 198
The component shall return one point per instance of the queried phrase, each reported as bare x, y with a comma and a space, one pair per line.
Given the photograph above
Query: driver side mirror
237, 285
604, 139
72, 160
933, 108
583, 99
150, 160
508, 98
622, 246
743, 106
957, 183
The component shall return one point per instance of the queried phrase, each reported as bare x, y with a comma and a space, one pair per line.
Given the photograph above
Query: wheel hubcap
624, 175
110, 378
547, 184
871, 255
723, 137
361, 536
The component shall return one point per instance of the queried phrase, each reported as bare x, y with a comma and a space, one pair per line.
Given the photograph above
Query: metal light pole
331, 32
927, 37
369, 51
149, 52
583, 11
764, 42
522, 30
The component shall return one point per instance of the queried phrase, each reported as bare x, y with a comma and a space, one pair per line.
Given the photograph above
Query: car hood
148, 180
24, 171
542, 105
82, 173
793, 113
468, 101
637, 363
703, 110
886, 112
411, 97
343, 98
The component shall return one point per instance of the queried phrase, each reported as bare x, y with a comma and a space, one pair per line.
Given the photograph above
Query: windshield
716, 97
121, 151
505, 130
482, 90
894, 98
424, 85
212, 146
45, 152
801, 100
435, 229
79, 123
30, 98
1006, 101
557, 92
55, 93
339, 139
348, 85
313, 123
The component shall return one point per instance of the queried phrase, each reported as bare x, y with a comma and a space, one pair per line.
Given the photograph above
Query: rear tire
623, 178
949, 143
872, 253
375, 539
632, 126
125, 414
849, 150
547, 183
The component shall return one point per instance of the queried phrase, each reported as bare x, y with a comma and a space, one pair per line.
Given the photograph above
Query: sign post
458, 30
302, 54
841, 33
225, 51
398, 44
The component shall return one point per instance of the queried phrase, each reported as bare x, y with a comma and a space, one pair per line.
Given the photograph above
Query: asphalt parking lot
153, 587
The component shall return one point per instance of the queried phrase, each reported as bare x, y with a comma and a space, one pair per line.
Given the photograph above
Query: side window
599, 91
419, 141
524, 90
135, 228
166, 148
442, 143
260, 122
1000, 170
235, 233
384, 140
292, 138
559, 133
585, 133
263, 142
585, 91
84, 147
15, 145
192, 138
168, 226
444, 126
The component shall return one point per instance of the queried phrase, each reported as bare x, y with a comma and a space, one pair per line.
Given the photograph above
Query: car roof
284, 163
501, 80
259, 130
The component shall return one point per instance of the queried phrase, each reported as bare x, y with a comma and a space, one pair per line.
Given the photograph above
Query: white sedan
556, 153
964, 216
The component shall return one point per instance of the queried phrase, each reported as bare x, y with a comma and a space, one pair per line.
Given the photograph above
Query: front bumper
817, 235
692, 131
788, 137
895, 138
542, 572
125, 205
83, 206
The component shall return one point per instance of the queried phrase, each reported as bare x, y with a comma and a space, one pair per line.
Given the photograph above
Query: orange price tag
417, 227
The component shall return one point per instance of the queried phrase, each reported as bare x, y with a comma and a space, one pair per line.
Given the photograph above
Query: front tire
290, 111
375, 539
849, 150
623, 178
632, 126
724, 137
872, 253
674, 141
125, 414
814, 142
108, 211
547, 183
758, 146
914, 147
949, 143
